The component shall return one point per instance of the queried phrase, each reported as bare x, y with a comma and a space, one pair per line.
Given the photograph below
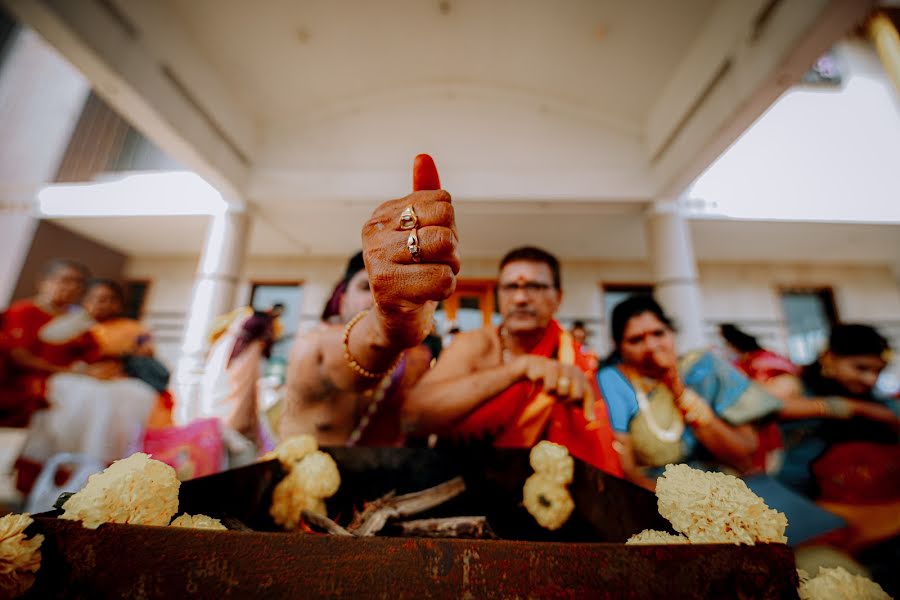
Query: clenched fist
410, 247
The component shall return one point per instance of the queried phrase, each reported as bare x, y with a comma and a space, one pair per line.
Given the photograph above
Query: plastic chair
45, 491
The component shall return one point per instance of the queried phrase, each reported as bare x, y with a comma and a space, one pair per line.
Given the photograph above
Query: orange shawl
524, 414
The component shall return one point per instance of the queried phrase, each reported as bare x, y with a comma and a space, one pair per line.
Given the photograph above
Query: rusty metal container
583, 559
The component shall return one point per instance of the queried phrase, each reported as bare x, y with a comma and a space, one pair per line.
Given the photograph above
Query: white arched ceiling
488, 144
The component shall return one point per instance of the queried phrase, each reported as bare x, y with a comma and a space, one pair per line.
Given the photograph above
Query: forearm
815, 408
432, 406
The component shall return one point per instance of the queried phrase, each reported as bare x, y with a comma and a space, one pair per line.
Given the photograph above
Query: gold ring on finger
408, 218
412, 244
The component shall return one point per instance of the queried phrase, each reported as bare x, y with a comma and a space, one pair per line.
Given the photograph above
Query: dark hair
354, 266
578, 325
278, 305
333, 305
857, 340
533, 254
634, 306
109, 284
51, 267
742, 341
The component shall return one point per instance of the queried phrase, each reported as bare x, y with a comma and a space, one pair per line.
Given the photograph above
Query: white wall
738, 292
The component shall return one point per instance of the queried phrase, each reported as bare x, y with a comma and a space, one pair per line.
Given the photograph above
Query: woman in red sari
45, 335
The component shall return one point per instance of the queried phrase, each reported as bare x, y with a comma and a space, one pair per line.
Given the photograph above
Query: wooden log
448, 527
324, 523
376, 514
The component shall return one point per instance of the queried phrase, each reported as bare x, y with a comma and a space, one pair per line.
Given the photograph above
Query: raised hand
410, 246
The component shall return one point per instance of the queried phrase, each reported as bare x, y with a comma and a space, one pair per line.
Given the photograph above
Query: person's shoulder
476, 338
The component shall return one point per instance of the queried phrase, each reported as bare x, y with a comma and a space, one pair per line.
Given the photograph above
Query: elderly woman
665, 409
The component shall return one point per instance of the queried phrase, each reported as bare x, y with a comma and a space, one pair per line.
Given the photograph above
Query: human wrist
839, 408
398, 327
366, 351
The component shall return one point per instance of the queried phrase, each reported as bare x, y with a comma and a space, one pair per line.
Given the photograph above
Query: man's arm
455, 386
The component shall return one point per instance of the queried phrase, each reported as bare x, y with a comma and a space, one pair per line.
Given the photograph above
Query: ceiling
284, 59
575, 232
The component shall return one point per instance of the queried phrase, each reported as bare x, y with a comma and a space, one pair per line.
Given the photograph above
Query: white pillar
675, 272
41, 97
214, 294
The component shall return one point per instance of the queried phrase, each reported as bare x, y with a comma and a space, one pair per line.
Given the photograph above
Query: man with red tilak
345, 382
522, 382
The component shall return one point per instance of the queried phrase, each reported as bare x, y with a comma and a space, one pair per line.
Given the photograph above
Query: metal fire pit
585, 558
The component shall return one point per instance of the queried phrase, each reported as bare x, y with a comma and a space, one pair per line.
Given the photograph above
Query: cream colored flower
319, 474
553, 462
650, 536
290, 498
548, 502
293, 450
714, 507
20, 558
136, 490
838, 584
197, 522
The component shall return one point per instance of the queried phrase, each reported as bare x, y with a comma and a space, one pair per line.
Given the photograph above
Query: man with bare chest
522, 382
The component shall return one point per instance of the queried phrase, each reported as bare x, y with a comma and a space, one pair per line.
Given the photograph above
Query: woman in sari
96, 411
228, 389
126, 346
753, 360
664, 409
43, 336
833, 409
842, 447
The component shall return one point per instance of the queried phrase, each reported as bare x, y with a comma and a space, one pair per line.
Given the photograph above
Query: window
470, 307
289, 293
809, 314
615, 293
135, 296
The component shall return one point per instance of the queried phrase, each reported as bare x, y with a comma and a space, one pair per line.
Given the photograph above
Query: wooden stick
448, 527
324, 523
374, 517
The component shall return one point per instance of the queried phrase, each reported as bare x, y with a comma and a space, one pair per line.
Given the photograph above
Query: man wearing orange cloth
520, 383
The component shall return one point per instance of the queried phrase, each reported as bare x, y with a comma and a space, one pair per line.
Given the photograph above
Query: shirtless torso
318, 403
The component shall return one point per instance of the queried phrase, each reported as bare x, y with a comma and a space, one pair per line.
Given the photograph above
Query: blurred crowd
817, 441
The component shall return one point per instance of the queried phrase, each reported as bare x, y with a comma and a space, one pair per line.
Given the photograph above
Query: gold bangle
352, 363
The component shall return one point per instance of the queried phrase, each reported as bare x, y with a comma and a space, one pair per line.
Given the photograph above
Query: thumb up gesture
410, 247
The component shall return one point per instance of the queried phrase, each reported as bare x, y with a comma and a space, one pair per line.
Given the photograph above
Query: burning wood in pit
375, 515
